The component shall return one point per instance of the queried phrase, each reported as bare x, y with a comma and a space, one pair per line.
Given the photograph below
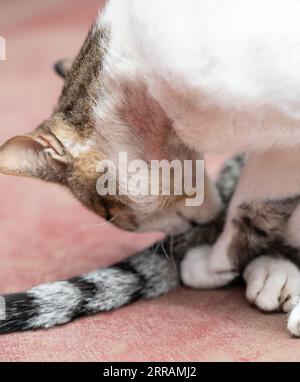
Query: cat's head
98, 115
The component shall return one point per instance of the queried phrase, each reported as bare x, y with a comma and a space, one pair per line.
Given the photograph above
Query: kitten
149, 274
170, 80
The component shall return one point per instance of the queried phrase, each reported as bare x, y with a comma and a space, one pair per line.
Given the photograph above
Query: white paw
294, 320
273, 284
196, 270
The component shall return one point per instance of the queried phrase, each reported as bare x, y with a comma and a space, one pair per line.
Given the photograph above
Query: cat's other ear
38, 154
62, 67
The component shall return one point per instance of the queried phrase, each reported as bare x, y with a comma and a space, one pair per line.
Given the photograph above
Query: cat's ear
38, 154
62, 67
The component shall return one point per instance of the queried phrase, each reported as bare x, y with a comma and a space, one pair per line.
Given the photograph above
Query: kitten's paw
196, 270
273, 284
294, 320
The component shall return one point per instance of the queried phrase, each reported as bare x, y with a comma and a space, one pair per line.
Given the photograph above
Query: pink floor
46, 235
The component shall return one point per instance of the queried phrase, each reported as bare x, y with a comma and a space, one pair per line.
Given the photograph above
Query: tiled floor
46, 235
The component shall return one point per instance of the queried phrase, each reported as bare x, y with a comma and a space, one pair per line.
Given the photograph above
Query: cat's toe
291, 292
294, 321
268, 299
255, 282
272, 283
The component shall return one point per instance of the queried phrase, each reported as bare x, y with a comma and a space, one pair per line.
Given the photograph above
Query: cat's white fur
228, 69
227, 74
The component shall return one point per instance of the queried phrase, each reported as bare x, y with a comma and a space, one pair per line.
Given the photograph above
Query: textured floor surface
46, 235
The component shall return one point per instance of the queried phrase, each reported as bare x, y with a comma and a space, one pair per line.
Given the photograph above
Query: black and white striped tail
151, 273
143, 276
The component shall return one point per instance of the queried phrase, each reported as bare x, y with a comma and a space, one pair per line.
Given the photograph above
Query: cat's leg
255, 216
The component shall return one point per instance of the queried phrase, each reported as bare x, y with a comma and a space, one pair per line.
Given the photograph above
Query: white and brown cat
172, 79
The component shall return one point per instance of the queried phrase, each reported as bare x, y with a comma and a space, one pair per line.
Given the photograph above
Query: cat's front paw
273, 284
198, 272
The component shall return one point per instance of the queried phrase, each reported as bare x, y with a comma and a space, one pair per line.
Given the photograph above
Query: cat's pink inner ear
29, 156
21, 156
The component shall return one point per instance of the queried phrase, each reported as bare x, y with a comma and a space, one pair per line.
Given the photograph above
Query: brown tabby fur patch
82, 83
260, 229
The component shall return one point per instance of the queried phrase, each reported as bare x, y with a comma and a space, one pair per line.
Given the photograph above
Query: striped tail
143, 276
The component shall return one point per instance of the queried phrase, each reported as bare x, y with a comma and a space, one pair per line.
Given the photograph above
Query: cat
148, 274
176, 80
